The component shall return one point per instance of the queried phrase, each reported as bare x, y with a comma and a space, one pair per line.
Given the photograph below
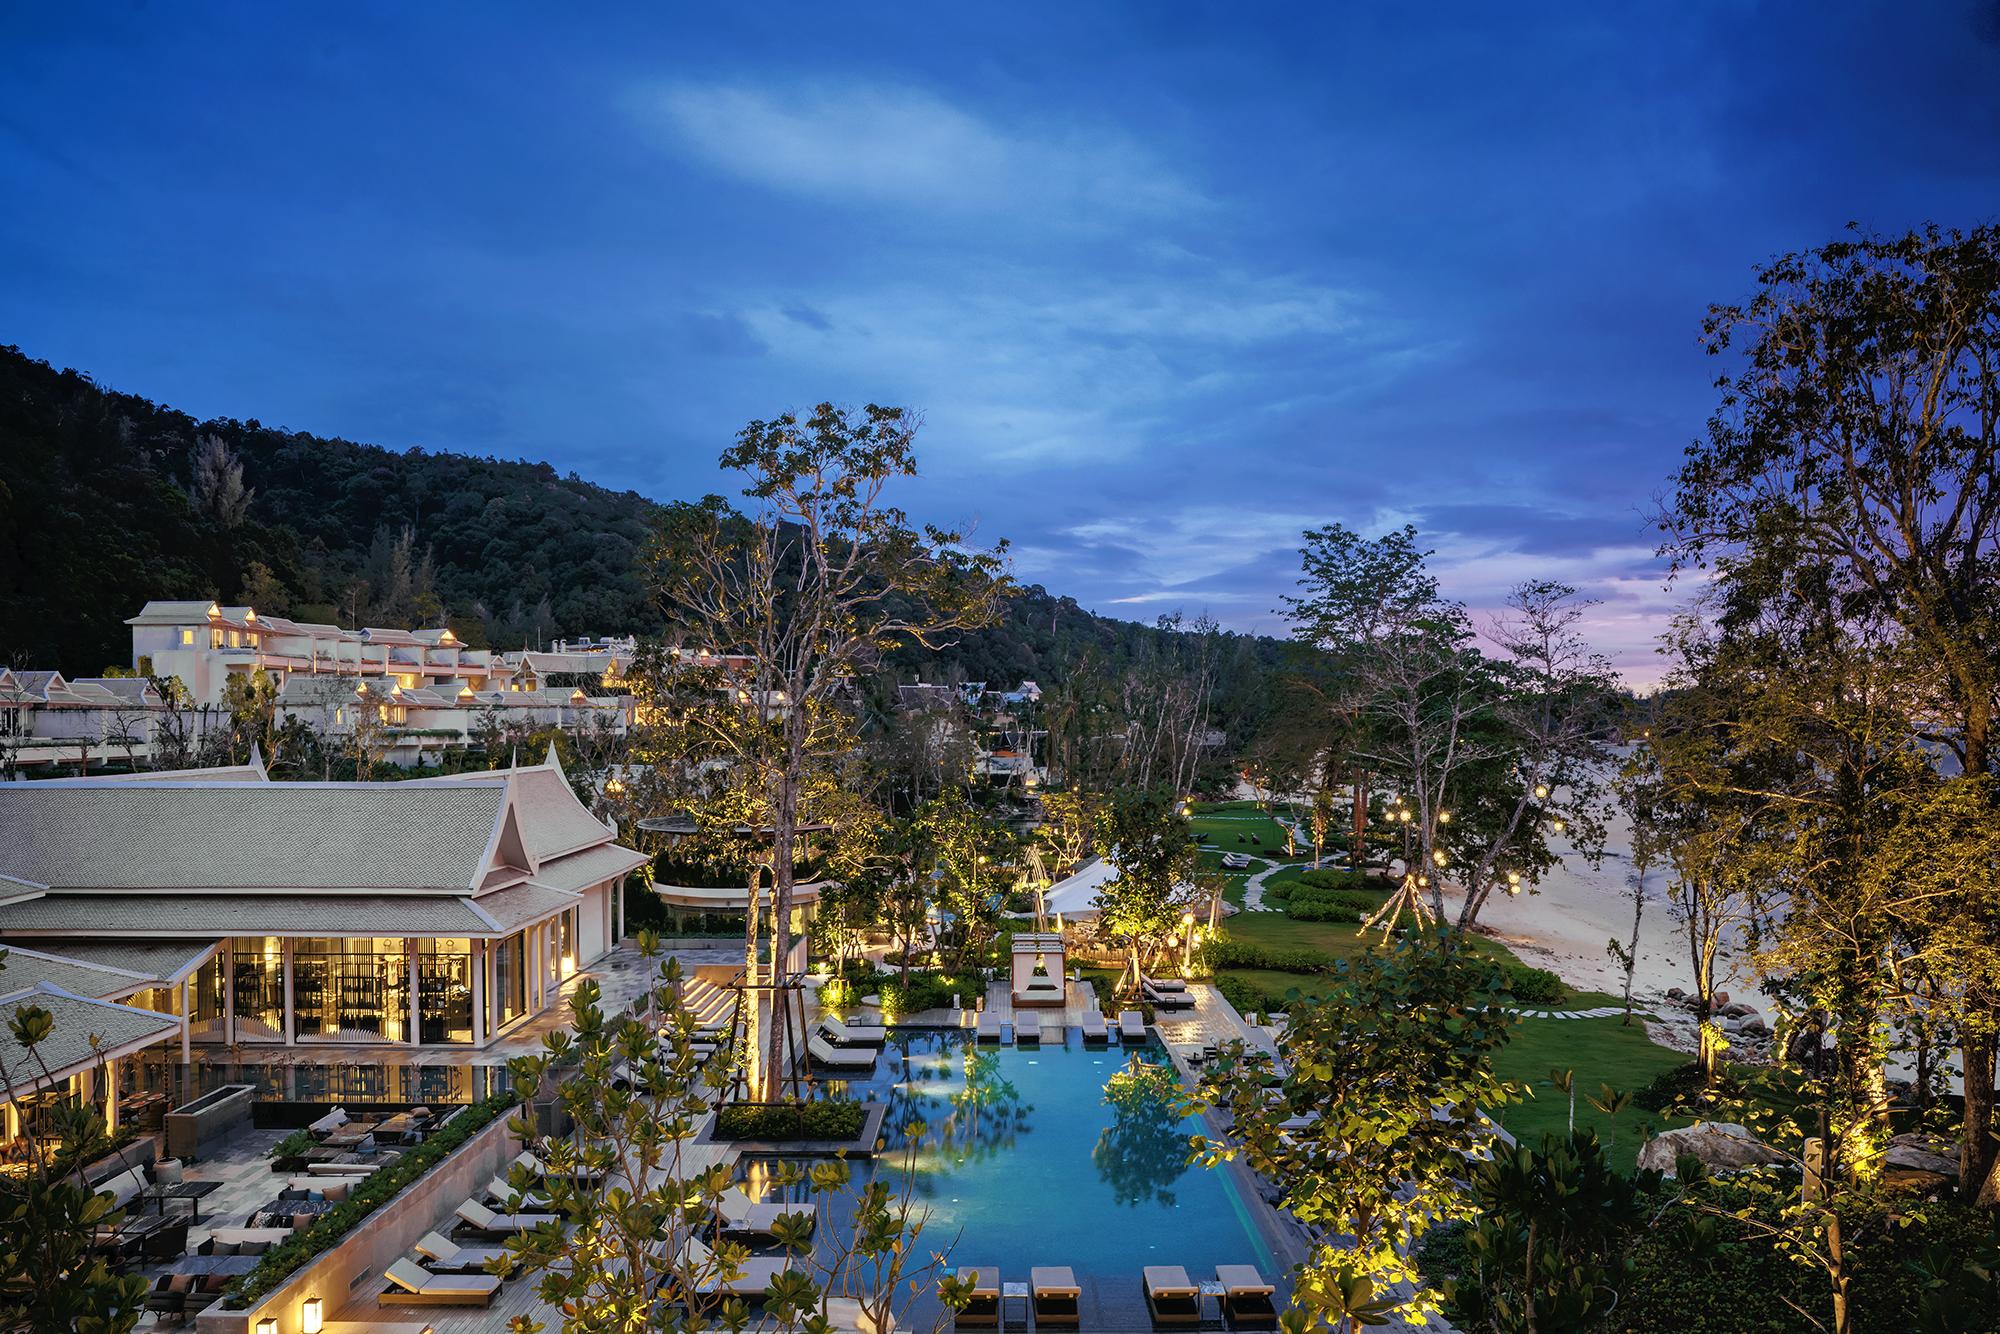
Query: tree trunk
1976, 1150
784, 826
1357, 855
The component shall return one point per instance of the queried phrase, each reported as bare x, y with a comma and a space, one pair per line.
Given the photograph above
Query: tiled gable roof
314, 836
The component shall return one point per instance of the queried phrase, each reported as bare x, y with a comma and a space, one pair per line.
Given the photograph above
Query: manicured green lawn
1600, 1051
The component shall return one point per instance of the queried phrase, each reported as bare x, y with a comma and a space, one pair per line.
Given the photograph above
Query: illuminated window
187, 638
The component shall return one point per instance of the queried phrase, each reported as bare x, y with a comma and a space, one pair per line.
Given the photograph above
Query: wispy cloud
868, 144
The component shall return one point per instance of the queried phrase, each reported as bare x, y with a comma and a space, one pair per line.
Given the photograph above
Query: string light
1541, 791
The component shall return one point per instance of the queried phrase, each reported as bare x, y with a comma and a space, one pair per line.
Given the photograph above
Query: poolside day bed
845, 1034
1095, 1034
1246, 1297
1131, 1027
1056, 1295
758, 1271
989, 1026
983, 1311
745, 1217
476, 1217
442, 1255
1172, 1296
412, 1285
840, 1058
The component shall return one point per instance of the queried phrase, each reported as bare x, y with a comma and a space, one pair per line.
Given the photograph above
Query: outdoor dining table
191, 1191
131, 1233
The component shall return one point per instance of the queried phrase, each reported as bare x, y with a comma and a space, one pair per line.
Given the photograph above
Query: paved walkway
1253, 888
1599, 1012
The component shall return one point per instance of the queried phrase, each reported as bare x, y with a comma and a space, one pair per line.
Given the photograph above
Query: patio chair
1172, 1297
476, 1217
1095, 1034
744, 1217
1056, 1295
853, 1035
412, 1285
445, 1256
1131, 1027
983, 1311
825, 1053
757, 1272
989, 1027
1246, 1297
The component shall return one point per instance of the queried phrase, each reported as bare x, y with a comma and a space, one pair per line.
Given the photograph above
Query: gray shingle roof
266, 836
212, 915
517, 905
76, 1020
581, 870
160, 961
19, 971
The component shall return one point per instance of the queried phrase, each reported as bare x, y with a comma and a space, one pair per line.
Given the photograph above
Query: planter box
208, 1117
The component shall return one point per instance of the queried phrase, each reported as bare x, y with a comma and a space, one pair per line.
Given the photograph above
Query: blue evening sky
1169, 282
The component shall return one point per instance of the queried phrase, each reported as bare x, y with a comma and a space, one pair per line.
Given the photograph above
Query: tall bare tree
802, 594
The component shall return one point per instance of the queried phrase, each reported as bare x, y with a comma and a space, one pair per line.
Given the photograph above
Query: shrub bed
1535, 986
826, 1118
291, 1254
1226, 953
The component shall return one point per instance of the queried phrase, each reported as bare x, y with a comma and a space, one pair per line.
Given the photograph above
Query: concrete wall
384, 1237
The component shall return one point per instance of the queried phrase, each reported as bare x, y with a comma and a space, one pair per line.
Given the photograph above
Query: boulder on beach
1722, 1146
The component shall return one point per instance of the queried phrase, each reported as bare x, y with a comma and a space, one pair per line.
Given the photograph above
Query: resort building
47, 719
235, 910
420, 691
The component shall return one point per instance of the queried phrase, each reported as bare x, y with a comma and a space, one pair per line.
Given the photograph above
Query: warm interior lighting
309, 1316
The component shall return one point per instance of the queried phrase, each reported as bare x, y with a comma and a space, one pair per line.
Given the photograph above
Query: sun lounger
825, 1053
327, 1124
1165, 983
1055, 1294
1131, 1027
853, 1035
758, 1271
983, 1311
1167, 1000
989, 1026
1095, 1034
534, 1164
498, 1192
476, 1217
442, 1255
1027, 1032
1172, 1296
1246, 1297
744, 1217
410, 1284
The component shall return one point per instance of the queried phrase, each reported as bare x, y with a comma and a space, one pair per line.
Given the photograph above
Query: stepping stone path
1601, 1012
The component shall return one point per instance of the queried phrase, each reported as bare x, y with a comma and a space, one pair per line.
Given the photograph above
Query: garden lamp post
1187, 942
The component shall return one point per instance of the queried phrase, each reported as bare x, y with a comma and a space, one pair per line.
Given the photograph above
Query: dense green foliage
820, 1119
1535, 986
291, 1254
101, 509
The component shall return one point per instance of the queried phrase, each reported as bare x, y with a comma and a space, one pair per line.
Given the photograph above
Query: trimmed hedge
292, 1254
1535, 986
825, 1118
1226, 953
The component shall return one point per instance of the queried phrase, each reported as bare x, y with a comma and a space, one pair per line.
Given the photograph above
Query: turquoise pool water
1057, 1156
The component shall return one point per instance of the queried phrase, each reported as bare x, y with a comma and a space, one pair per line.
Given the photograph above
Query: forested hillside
107, 499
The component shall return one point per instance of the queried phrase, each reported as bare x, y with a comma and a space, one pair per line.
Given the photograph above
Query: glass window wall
260, 988
510, 979
351, 990
444, 990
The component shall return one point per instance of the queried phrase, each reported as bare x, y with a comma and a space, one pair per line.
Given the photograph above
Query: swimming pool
1057, 1156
